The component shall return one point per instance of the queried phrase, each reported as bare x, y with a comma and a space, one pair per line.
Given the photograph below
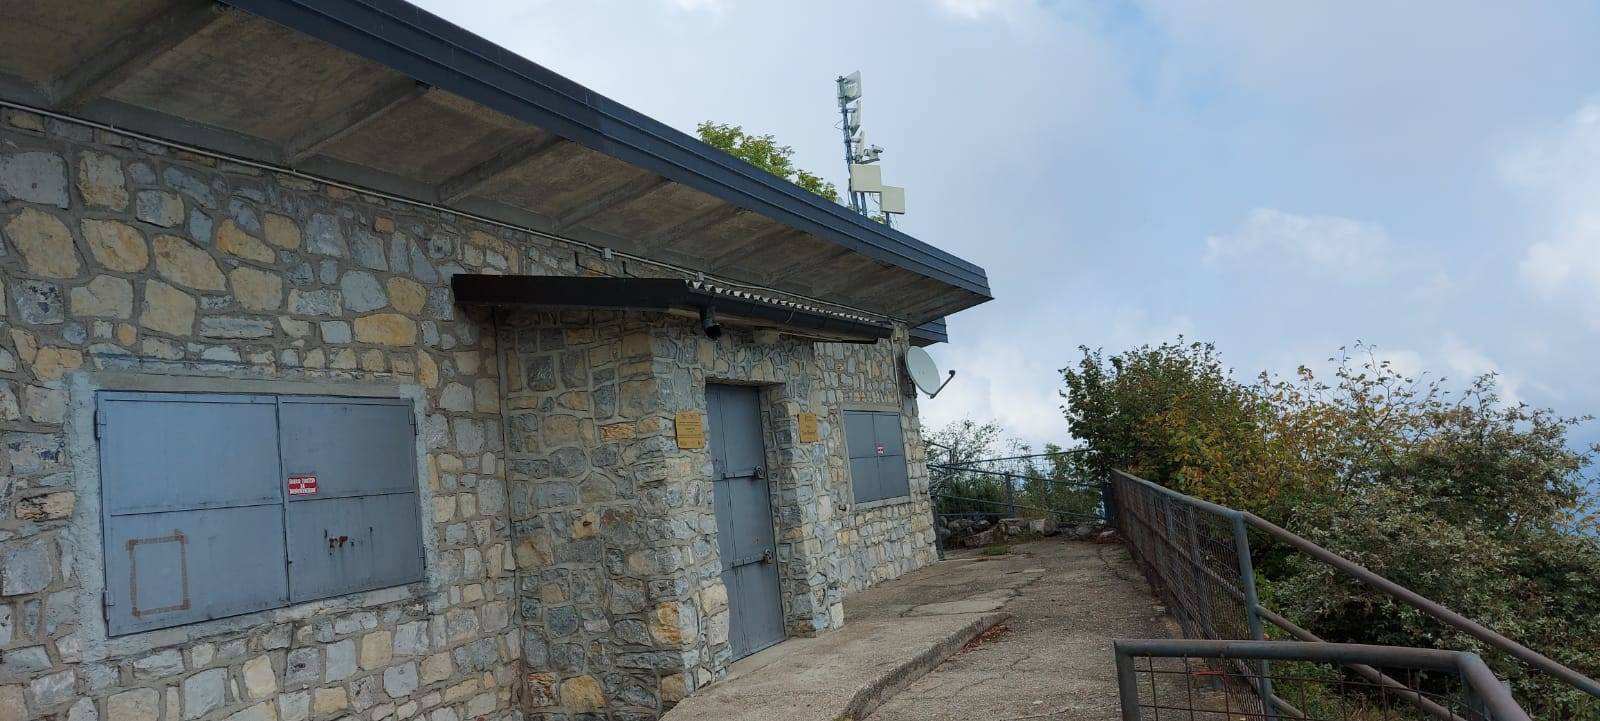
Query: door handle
765, 557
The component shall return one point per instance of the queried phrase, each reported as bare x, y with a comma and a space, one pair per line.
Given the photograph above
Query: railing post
1247, 582
1128, 683
1108, 501
1011, 496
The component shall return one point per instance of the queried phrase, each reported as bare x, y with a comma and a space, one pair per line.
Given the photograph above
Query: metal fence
1197, 556
1202, 680
1012, 487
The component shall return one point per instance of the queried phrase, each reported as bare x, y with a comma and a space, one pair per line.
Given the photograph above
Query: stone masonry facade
613, 525
572, 568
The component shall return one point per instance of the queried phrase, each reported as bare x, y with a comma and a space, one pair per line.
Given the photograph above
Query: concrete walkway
893, 634
1027, 635
1052, 659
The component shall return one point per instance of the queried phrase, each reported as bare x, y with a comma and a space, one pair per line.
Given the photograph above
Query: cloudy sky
1281, 178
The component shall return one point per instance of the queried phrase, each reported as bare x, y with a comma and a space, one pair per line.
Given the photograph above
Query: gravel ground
1053, 659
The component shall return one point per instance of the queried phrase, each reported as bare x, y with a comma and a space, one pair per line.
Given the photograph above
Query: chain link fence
973, 496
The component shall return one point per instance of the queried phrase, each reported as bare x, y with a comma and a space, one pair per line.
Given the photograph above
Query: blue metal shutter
191, 505
892, 481
861, 444
362, 528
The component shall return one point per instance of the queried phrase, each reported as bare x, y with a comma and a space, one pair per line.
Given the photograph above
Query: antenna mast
866, 176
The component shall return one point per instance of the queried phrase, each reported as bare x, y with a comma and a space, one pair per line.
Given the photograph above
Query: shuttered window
877, 455
216, 505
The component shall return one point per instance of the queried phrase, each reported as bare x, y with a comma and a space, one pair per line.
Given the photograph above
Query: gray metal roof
381, 94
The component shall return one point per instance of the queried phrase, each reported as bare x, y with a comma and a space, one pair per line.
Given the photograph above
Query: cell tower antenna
866, 176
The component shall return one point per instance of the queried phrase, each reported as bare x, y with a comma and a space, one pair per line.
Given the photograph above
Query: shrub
1458, 495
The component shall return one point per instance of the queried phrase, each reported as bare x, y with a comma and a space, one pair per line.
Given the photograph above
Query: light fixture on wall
709, 324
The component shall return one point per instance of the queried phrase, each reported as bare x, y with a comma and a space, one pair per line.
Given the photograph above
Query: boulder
981, 539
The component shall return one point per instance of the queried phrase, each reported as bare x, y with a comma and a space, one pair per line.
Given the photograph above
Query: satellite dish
924, 372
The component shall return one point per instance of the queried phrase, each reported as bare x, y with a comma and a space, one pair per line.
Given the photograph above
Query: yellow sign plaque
691, 429
808, 427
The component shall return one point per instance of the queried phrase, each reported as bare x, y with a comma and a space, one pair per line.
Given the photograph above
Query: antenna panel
892, 200
866, 178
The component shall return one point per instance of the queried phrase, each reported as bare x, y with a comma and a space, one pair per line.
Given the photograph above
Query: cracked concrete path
1052, 659
893, 633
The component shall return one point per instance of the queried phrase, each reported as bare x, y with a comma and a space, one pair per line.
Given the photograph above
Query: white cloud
979, 9
1437, 288
711, 6
1408, 363
1560, 172
1347, 248
1467, 363
1015, 378
1000, 381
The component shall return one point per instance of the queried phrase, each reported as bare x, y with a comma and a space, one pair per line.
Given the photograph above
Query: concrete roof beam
351, 119
473, 179
628, 192
696, 225
113, 64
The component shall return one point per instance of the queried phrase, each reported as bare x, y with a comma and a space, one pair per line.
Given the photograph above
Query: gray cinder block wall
571, 555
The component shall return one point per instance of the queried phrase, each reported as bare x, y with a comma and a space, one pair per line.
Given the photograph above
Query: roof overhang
933, 331
382, 95
692, 298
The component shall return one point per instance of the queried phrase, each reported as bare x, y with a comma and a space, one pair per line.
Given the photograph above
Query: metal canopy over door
744, 518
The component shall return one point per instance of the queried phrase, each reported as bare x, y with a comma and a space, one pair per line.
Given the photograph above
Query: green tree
1174, 412
1462, 497
764, 152
954, 478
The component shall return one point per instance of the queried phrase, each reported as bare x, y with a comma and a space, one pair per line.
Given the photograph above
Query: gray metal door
347, 536
192, 507
744, 518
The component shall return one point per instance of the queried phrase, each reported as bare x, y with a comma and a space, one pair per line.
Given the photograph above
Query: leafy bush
1461, 497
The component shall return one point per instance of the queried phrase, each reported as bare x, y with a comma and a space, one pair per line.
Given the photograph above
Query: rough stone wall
621, 601
128, 256
575, 533
883, 540
614, 526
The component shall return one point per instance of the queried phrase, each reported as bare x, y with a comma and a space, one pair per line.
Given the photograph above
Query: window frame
92, 478
874, 413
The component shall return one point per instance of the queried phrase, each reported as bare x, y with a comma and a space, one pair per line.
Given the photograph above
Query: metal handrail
1488, 689
1415, 600
1056, 511
1047, 454
1080, 485
1254, 610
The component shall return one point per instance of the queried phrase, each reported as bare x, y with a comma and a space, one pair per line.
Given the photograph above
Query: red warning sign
302, 485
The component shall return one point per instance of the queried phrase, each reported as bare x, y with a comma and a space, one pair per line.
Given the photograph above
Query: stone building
352, 367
